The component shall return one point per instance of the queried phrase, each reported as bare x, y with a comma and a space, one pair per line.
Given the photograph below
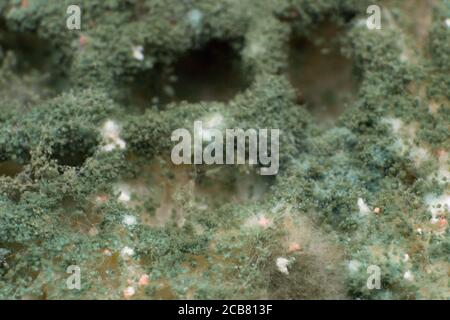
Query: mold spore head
195, 18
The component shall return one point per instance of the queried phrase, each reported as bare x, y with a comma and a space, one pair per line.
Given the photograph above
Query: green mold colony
85, 171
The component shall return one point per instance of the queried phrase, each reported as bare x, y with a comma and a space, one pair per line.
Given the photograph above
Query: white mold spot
408, 276
363, 208
129, 220
138, 52
354, 265
111, 135
395, 123
126, 252
128, 292
124, 193
282, 264
419, 155
195, 18
437, 206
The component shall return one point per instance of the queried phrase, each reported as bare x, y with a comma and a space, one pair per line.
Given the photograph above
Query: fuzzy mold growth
86, 180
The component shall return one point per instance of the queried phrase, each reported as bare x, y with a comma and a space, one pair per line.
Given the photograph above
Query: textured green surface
56, 93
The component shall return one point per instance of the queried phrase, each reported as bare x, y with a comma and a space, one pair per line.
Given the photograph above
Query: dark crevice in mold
212, 72
72, 159
408, 175
8, 252
146, 89
35, 62
73, 156
140, 10
31, 52
293, 15
319, 71
349, 16
10, 169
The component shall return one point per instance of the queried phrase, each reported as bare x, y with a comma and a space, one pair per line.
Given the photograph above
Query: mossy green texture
58, 87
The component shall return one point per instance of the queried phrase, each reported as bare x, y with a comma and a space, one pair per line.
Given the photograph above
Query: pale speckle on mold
408, 276
144, 280
195, 18
437, 206
419, 155
395, 123
129, 220
126, 252
138, 52
256, 49
282, 264
361, 23
129, 292
210, 124
354, 265
124, 193
363, 208
111, 135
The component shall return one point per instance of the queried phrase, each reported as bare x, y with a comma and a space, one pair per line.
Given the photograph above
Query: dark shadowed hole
72, 159
146, 89
210, 73
31, 52
321, 74
140, 10
74, 155
37, 63
10, 169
